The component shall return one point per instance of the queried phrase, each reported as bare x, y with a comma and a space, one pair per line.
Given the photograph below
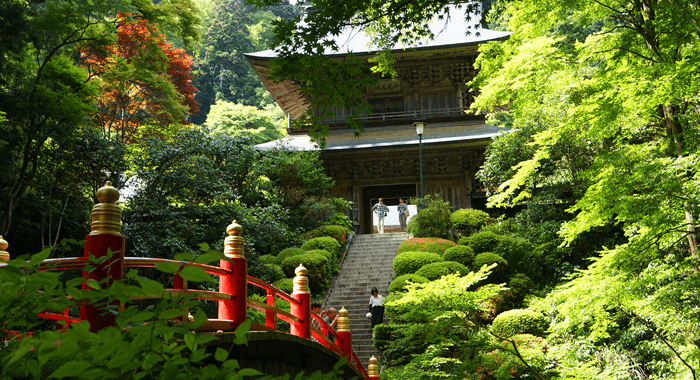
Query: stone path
367, 264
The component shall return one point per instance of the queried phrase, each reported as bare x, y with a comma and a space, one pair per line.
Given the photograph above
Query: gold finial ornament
106, 215
373, 368
234, 242
4, 256
343, 320
301, 282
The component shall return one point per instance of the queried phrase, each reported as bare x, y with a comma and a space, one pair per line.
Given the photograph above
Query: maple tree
145, 83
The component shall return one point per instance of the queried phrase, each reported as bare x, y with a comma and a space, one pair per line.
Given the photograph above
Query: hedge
519, 321
317, 266
289, 252
436, 270
325, 242
488, 258
459, 253
336, 232
399, 283
468, 219
433, 245
481, 241
286, 285
269, 259
410, 262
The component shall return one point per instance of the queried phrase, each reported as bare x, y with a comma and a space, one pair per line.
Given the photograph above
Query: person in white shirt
376, 307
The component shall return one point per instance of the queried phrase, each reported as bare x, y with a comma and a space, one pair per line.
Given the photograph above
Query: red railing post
104, 241
373, 369
343, 330
302, 309
270, 316
235, 282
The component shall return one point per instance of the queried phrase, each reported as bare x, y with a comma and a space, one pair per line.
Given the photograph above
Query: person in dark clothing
376, 307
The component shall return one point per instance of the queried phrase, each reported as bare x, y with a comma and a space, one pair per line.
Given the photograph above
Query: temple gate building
384, 161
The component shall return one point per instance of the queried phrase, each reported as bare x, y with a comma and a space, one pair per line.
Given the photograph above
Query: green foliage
339, 233
237, 119
326, 243
433, 245
434, 271
520, 321
468, 220
410, 262
502, 363
289, 252
432, 220
459, 253
269, 259
399, 283
520, 286
286, 285
488, 258
481, 241
317, 266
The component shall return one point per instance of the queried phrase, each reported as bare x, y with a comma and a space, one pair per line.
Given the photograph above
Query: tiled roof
391, 136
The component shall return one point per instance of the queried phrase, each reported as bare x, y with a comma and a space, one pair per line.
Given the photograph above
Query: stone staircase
367, 264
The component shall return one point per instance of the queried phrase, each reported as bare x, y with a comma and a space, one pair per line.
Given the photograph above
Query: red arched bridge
105, 242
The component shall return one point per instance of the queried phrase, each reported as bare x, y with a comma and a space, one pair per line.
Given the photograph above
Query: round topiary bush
286, 285
459, 253
481, 241
433, 245
317, 268
519, 321
269, 259
468, 220
410, 262
289, 252
488, 258
324, 242
399, 283
336, 232
436, 270
520, 286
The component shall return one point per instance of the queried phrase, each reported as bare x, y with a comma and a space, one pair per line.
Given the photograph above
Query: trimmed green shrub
488, 258
274, 272
317, 266
481, 241
436, 270
289, 252
433, 245
514, 249
519, 321
332, 260
286, 285
399, 283
325, 242
467, 220
459, 253
410, 262
336, 232
501, 364
269, 259
520, 286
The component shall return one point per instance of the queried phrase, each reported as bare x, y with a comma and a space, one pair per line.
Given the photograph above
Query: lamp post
419, 125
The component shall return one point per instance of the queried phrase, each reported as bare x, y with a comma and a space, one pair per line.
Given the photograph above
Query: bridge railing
105, 243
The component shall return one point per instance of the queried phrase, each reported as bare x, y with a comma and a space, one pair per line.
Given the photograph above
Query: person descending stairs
367, 264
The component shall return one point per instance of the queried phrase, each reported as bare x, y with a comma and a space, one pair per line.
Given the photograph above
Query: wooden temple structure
384, 161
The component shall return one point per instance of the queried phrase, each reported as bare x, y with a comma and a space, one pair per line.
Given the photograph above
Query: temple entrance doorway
389, 193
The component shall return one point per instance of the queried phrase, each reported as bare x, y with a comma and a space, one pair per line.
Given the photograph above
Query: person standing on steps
381, 210
376, 307
316, 309
402, 209
332, 319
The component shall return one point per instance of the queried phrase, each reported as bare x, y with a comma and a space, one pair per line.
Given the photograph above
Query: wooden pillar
302, 309
104, 242
373, 369
343, 330
235, 282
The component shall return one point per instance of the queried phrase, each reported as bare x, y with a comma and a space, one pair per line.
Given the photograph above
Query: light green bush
433, 220
481, 241
317, 266
286, 285
336, 232
434, 245
459, 253
519, 321
502, 364
436, 270
468, 220
498, 273
410, 262
324, 242
289, 252
399, 283
269, 259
